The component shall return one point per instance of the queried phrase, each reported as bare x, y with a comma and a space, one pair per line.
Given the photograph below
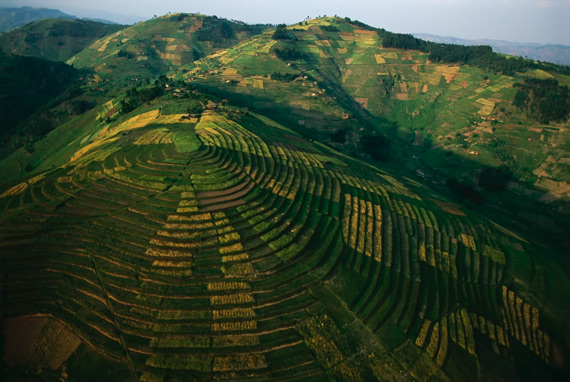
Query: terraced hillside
153, 47
227, 246
334, 80
54, 39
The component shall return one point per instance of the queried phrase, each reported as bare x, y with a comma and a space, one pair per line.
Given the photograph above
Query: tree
281, 33
377, 146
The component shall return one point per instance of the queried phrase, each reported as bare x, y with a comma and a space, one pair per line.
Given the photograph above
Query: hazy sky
544, 21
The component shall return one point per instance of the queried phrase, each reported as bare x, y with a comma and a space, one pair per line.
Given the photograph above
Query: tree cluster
377, 146
136, 97
284, 77
288, 54
479, 56
544, 100
281, 33
124, 53
82, 28
329, 28
220, 31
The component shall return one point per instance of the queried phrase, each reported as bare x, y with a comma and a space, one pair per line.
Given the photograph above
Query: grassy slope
54, 39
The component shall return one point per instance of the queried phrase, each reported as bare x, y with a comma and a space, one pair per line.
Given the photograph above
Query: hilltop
325, 201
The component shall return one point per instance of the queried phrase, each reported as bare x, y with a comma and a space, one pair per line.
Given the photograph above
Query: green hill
243, 203
54, 39
154, 47
11, 18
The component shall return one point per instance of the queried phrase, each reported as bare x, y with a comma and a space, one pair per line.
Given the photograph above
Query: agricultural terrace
229, 247
337, 76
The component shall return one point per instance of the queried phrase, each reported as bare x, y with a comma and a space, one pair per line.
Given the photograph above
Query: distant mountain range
11, 18
555, 53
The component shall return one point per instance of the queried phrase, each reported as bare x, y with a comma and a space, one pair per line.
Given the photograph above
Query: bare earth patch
38, 341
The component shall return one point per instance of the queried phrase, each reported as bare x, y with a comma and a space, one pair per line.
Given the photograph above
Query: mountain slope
339, 77
54, 39
11, 18
558, 54
227, 246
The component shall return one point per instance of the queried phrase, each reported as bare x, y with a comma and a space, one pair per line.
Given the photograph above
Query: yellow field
379, 59
159, 136
240, 298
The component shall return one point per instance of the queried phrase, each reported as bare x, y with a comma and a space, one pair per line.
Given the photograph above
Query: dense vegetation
281, 33
288, 53
376, 146
82, 28
285, 77
481, 56
30, 86
135, 97
545, 100
221, 32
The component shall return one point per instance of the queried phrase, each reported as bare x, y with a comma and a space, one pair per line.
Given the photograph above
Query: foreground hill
226, 246
11, 18
54, 39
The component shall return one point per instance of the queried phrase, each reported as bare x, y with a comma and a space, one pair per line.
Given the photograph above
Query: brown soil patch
110, 113
449, 77
363, 102
365, 32
197, 25
464, 84
448, 207
38, 342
